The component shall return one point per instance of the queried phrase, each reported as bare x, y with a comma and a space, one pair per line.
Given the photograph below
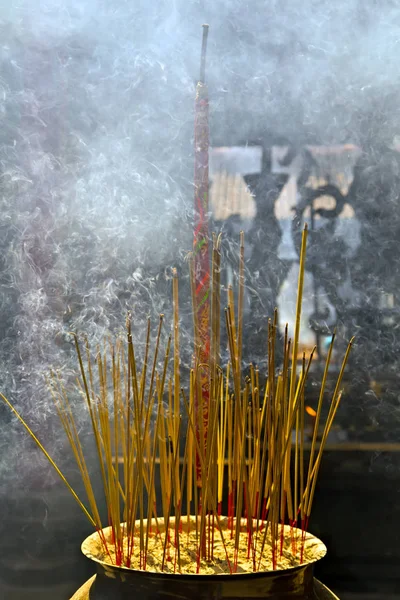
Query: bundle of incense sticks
251, 454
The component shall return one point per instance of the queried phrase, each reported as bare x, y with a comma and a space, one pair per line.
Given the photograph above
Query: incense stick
249, 431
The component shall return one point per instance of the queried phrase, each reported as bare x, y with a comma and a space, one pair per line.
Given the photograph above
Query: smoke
96, 115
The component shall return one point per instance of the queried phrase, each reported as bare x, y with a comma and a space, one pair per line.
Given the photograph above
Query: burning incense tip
310, 411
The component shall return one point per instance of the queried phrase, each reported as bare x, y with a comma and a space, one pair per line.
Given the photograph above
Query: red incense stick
201, 249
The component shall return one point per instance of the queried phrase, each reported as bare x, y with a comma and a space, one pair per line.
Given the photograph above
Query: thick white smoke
96, 127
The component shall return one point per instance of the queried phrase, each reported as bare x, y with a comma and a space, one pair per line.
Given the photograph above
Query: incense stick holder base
99, 588
113, 582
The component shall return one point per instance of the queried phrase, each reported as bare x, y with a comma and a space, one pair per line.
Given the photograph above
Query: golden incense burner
286, 582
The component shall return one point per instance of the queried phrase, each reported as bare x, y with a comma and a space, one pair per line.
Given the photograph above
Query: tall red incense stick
201, 249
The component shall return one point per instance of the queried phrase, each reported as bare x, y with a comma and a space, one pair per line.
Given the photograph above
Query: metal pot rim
122, 571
